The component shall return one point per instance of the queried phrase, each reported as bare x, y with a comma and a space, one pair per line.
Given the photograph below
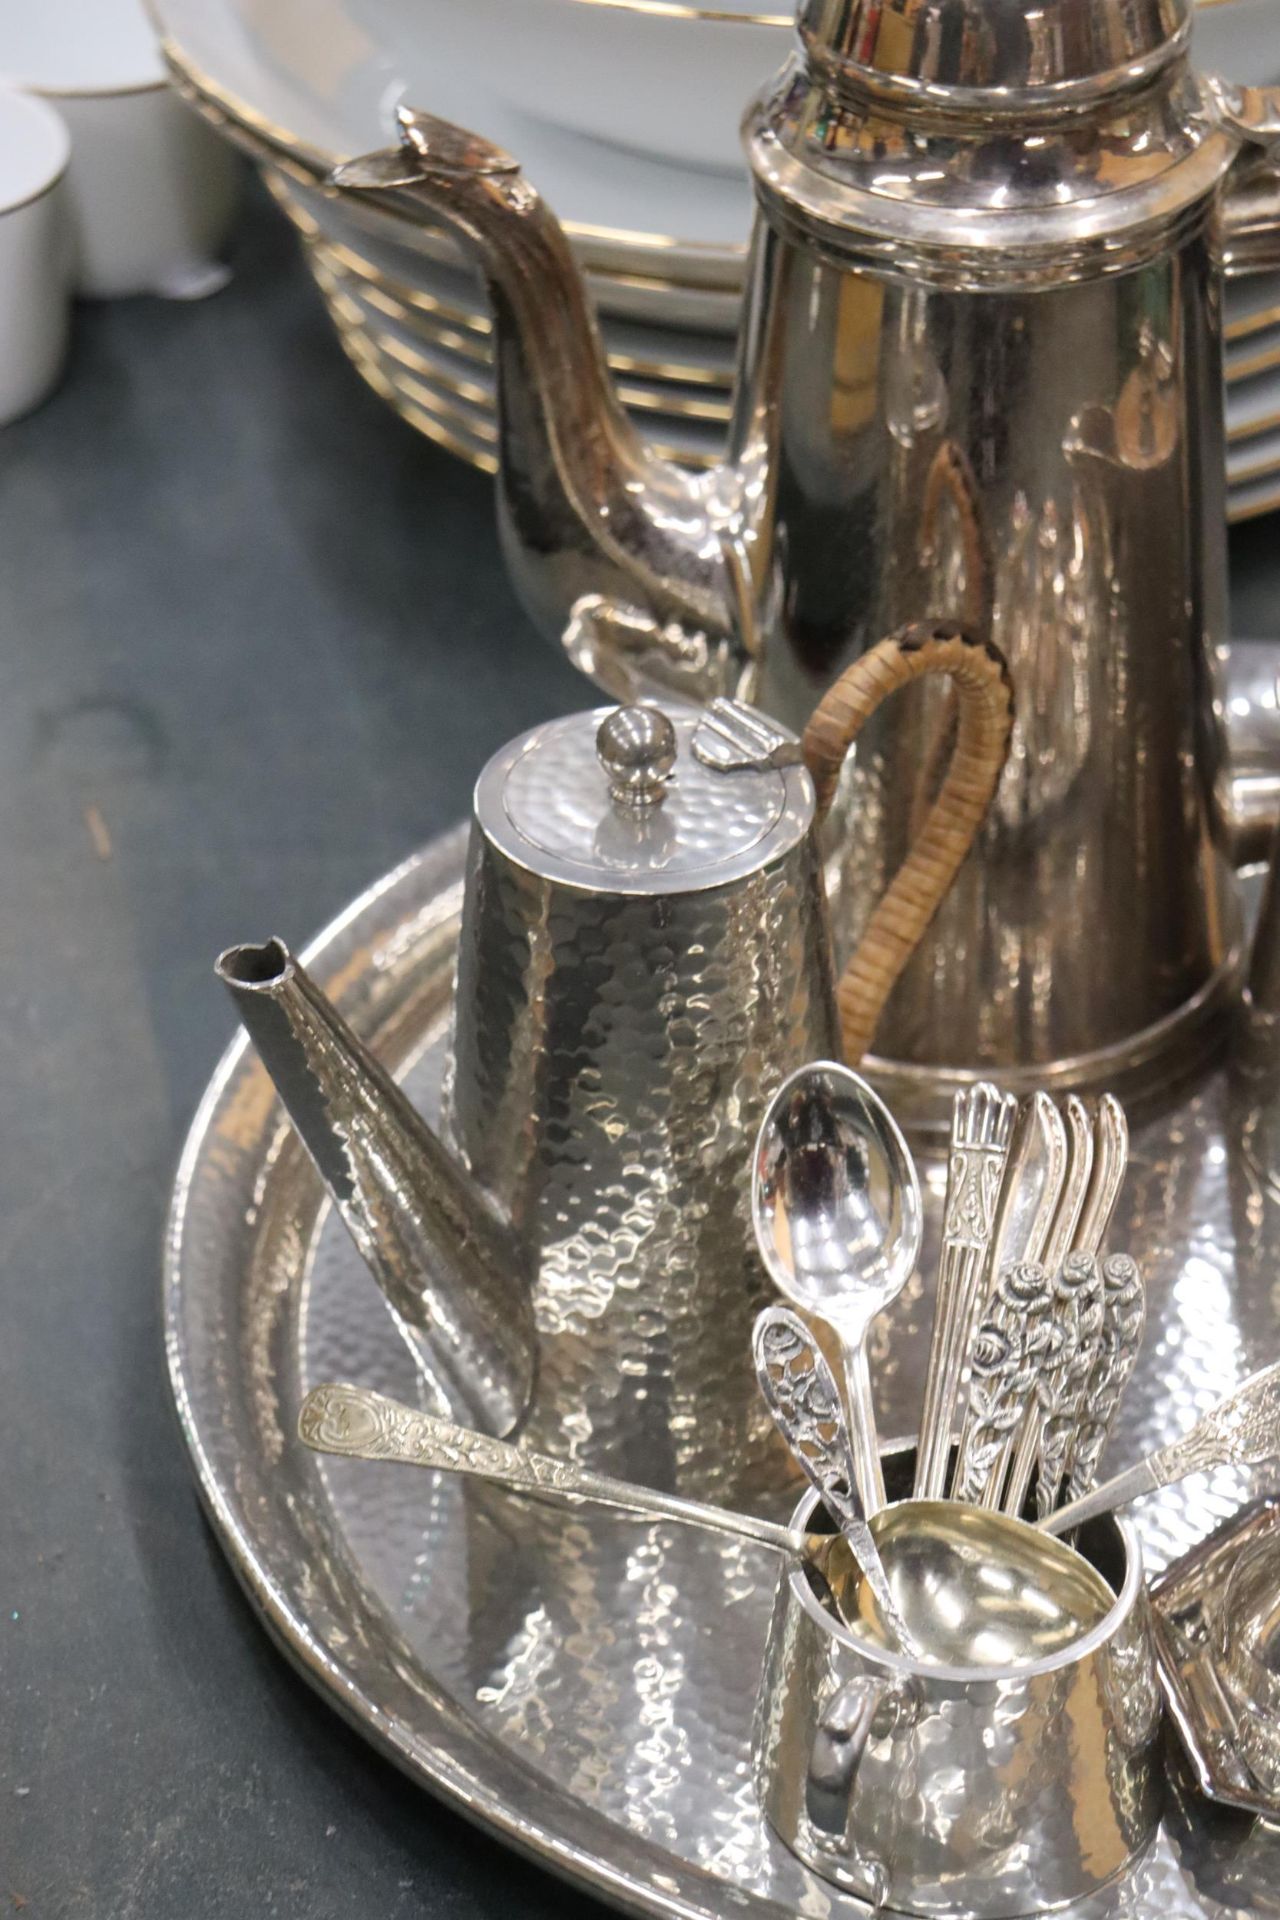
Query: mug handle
839, 1742
980, 674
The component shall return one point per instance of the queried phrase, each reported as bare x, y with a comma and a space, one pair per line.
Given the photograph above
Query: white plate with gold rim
1253, 407
320, 79
301, 76
1250, 502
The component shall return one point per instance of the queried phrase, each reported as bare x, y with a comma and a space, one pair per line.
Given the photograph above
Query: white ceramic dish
35, 276
1252, 501
301, 76
664, 80
309, 80
1253, 407
1253, 303
151, 191
1257, 352
1249, 461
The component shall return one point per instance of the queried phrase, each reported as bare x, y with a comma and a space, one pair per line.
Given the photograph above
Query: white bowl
666, 79
662, 79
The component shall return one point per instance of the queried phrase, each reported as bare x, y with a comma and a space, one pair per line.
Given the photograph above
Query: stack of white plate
624, 113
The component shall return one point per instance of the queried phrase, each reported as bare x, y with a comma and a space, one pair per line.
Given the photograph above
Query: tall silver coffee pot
980, 375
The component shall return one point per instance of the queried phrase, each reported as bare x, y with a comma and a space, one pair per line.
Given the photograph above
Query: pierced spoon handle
1241, 1431
801, 1393
364, 1425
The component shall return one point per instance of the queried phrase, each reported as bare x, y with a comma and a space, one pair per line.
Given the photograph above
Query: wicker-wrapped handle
984, 721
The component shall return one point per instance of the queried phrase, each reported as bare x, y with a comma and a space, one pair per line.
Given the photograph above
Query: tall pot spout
590, 516
448, 1266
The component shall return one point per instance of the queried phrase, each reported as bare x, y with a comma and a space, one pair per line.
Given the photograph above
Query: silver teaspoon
1241, 1431
836, 1206
800, 1392
363, 1425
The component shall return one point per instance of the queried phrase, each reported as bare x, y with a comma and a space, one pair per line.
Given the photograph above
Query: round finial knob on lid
636, 747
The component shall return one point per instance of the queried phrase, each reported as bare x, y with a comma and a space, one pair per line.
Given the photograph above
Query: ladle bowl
975, 1589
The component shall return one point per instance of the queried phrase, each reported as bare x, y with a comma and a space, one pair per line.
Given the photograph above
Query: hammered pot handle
984, 692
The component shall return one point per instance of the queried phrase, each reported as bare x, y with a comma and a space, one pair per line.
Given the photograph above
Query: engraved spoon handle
1241, 1431
364, 1425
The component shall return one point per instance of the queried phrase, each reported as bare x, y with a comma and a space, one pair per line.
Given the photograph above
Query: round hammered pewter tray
580, 1684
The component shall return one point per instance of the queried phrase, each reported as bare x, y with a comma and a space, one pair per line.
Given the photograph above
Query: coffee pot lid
648, 799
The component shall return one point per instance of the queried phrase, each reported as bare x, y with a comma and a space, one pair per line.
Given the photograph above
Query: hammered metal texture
587, 1685
557, 798
613, 1057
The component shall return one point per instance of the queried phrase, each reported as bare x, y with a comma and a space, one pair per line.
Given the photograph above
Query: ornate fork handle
1007, 1352
981, 1129
1124, 1315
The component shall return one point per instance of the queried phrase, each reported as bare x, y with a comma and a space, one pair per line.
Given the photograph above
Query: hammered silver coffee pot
643, 957
980, 374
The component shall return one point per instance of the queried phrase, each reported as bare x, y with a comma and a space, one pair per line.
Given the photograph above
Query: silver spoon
1241, 1431
363, 1425
801, 1393
836, 1204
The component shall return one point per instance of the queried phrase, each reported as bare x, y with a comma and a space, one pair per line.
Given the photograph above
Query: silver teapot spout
451, 1269
591, 517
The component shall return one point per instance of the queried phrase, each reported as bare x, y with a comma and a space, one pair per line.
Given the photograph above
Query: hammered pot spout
448, 1264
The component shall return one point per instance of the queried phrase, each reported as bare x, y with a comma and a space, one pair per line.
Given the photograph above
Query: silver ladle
836, 1205
800, 1392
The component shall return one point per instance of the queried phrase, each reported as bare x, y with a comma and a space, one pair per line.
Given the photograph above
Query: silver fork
1083, 1216
1016, 1340
1123, 1318
981, 1129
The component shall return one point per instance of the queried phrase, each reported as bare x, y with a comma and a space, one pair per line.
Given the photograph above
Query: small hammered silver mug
974, 1791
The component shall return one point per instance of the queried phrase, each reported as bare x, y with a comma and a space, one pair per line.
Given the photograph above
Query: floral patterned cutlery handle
1123, 1318
1061, 1393
800, 1392
364, 1425
1008, 1351
1241, 1431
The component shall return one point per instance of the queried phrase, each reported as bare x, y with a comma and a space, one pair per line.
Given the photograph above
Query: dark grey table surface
257, 642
